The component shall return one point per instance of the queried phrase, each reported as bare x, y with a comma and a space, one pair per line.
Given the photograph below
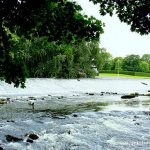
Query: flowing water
76, 115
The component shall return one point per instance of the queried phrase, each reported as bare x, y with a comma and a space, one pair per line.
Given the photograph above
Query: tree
131, 63
135, 13
85, 59
117, 63
144, 66
146, 58
104, 59
60, 20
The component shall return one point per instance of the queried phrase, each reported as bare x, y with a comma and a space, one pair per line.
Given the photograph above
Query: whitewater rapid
42, 86
76, 115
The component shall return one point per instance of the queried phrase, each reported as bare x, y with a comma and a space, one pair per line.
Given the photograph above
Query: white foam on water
42, 86
116, 126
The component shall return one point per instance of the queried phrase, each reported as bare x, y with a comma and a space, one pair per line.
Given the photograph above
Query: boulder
144, 83
1, 148
11, 138
128, 96
91, 93
32, 98
29, 141
75, 115
33, 136
3, 101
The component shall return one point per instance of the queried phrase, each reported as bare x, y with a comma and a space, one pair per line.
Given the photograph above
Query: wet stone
32, 98
3, 101
1, 148
136, 116
146, 112
128, 96
69, 132
33, 136
10, 121
11, 138
137, 123
75, 115
29, 141
91, 93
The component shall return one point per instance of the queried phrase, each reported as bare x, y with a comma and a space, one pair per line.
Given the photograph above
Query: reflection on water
81, 107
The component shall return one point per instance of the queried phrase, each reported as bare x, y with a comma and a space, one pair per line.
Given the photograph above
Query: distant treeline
131, 64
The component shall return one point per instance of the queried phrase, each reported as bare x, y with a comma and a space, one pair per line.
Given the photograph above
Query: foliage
134, 13
48, 59
131, 63
86, 58
146, 58
104, 60
144, 66
60, 21
53, 39
117, 64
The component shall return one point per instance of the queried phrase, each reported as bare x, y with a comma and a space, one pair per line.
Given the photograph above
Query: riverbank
122, 76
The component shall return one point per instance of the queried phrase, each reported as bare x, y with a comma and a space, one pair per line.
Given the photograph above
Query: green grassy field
120, 75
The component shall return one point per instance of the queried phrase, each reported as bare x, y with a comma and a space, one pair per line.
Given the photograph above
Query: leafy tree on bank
131, 63
135, 13
146, 58
117, 63
30, 18
48, 59
61, 21
143, 67
105, 60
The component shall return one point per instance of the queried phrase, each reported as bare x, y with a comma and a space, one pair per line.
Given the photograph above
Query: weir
42, 86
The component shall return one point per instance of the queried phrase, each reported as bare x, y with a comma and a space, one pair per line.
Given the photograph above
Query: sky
117, 38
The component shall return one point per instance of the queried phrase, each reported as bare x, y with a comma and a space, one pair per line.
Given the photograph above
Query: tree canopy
135, 13
60, 20
25, 22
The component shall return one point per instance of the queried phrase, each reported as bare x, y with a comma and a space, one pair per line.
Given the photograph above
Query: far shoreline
113, 75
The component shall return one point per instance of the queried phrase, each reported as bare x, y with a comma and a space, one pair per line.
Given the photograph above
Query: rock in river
128, 96
1, 148
11, 138
33, 136
29, 141
3, 101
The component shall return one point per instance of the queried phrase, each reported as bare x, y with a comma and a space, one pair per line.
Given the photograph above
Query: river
85, 114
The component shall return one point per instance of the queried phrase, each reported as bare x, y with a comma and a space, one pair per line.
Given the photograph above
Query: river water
85, 114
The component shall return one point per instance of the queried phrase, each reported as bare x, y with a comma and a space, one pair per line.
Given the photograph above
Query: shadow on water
69, 109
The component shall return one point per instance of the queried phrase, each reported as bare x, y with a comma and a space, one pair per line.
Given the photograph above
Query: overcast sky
117, 39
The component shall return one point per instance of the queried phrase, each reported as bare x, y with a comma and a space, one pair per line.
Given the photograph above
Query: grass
121, 75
